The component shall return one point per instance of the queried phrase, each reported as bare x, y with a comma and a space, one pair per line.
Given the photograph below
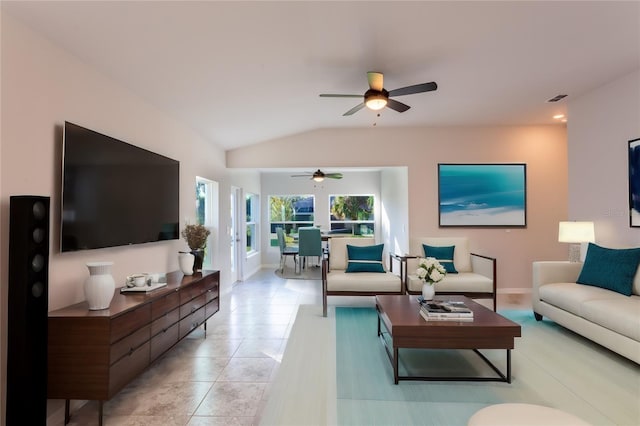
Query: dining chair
286, 251
309, 244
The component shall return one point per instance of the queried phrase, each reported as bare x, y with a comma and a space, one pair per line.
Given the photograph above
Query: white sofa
476, 277
608, 318
336, 281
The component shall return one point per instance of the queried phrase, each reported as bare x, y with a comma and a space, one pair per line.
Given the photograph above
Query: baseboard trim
514, 290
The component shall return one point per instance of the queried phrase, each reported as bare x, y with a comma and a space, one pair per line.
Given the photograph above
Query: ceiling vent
557, 98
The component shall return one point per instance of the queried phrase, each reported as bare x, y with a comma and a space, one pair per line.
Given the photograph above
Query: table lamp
575, 233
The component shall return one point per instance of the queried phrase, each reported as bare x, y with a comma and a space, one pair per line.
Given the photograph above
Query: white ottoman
523, 415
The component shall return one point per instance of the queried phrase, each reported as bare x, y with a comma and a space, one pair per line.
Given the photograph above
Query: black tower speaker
27, 310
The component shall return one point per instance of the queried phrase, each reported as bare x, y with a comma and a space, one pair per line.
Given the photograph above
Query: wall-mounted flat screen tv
114, 193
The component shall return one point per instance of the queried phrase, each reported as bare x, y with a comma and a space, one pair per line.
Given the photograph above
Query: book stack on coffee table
440, 310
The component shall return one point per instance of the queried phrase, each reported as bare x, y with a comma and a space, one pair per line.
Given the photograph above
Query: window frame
289, 225
209, 217
252, 222
358, 226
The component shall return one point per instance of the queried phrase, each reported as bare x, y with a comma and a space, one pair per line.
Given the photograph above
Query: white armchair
337, 281
476, 277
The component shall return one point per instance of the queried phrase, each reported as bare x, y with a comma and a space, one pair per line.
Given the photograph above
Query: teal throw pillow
612, 269
365, 258
444, 255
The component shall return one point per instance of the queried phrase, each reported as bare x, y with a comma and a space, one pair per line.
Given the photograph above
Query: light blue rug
366, 393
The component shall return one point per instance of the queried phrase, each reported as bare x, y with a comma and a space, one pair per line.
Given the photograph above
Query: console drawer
191, 322
129, 322
212, 293
123, 371
165, 321
166, 304
164, 340
192, 291
129, 344
193, 305
211, 308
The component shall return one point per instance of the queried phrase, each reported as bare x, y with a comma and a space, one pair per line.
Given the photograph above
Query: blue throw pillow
612, 269
444, 255
365, 258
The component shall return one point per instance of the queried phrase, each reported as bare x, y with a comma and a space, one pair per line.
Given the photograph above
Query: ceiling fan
319, 175
377, 97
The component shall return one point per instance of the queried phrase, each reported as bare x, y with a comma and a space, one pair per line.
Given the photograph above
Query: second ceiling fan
319, 175
377, 97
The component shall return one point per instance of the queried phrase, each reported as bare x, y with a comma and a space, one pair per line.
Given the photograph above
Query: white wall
394, 196
42, 86
600, 125
542, 148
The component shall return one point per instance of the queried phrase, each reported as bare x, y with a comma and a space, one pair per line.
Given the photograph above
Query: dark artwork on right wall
634, 182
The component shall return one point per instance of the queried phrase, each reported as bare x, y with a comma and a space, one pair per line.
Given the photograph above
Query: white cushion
339, 280
620, 314
461, 282
571, 296
614, 311
461, 254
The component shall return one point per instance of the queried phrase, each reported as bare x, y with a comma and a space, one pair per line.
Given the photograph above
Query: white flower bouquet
430, 270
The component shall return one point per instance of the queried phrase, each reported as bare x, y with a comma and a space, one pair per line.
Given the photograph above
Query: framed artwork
634, 182
492, 195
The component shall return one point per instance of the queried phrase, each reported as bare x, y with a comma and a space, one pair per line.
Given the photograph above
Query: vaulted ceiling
244, 72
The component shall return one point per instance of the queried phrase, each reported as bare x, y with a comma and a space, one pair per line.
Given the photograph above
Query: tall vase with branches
196, 237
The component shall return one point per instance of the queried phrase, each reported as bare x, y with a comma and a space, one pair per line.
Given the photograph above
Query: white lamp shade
576, 232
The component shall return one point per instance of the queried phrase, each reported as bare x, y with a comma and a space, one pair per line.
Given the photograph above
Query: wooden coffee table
401, 319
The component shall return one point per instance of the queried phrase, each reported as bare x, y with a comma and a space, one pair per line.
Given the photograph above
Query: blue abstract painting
482, 194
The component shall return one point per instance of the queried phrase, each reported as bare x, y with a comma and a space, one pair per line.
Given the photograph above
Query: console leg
395, 365
100, 413
537, 316
67, 416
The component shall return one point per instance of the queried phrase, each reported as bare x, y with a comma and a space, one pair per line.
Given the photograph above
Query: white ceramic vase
99, 286
186, 263
428, 291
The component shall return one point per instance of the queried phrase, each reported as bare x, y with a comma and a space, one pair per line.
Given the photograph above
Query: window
289, 212
253, 204
352, 214
206, 212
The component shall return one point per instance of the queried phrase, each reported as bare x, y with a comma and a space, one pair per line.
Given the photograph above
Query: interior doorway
236, 204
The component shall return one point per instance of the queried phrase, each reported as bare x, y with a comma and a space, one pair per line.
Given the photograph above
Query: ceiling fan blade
417, 88
307, 175
333, 175
376, 80
354, 109
397, 106
336, 95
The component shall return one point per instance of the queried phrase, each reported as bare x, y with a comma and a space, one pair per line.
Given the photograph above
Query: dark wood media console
94, 354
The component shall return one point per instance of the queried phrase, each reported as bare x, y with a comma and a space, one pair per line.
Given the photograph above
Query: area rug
542, 374
335, 371
308, 273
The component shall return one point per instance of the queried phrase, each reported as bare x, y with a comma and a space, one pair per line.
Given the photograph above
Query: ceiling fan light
376, 102
318, 178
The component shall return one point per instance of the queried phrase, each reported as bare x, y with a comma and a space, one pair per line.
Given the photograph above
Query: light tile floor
225, 377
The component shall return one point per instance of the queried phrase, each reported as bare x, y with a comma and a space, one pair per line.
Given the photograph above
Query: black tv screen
114, 193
